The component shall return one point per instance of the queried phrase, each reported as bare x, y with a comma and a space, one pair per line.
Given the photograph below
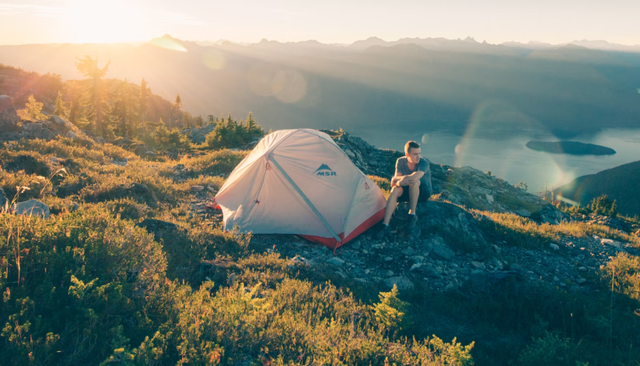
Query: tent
300, 182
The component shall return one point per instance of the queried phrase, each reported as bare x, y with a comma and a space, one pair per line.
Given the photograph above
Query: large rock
455, 225
199, 135
37, 130
439, 249
8, 116
32, 208
402, 283
550, 214
47, 129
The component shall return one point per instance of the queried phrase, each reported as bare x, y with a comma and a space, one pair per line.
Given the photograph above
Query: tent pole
306, 200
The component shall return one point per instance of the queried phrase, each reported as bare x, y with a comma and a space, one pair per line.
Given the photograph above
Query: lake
507, 157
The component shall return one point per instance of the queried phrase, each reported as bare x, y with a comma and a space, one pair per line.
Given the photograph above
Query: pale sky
328, 21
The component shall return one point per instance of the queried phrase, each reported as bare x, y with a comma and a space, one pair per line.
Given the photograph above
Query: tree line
113, 108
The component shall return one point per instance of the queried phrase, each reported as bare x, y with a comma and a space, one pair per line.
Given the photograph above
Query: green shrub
29, 162
391, 311
214, 162
383, 183
549, 350
229, 133
603, 206
623, 272
70, 281
172, 140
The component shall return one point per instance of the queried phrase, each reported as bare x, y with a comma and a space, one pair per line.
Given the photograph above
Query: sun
100, 21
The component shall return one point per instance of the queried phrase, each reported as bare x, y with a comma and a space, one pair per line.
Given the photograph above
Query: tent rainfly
300, 182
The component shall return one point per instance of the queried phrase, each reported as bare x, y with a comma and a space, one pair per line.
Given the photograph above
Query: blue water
507, 157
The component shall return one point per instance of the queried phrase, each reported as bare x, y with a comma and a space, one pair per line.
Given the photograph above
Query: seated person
411, 182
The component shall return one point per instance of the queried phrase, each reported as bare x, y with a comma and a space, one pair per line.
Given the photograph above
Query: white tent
300, 182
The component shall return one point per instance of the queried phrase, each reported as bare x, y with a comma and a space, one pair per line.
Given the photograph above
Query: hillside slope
621, 183
130, 266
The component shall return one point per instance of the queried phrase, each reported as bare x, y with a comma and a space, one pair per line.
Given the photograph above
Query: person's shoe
413, 229
383, 233
413, 221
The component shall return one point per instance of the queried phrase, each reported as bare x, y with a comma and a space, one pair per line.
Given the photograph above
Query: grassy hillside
101, 282
620, 183
91, 285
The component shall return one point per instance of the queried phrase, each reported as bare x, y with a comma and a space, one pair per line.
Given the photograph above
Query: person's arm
396, 178
423, 168
410, 179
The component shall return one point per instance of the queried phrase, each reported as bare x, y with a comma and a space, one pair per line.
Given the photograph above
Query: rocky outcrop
464, 186
8, 116
46, 129
199, 135
32, 208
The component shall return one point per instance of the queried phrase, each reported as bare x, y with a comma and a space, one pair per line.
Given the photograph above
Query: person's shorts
424, 194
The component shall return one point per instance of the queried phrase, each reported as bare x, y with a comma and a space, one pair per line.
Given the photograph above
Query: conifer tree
253, 129
76, 115
60, 107
143, 99
89, 68
32, 110
198, 121
120, 113
176, 111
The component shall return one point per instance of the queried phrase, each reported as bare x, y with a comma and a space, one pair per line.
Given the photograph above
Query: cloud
32, 9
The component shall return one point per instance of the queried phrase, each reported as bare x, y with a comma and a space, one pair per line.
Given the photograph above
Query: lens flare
260, 78
494, 123
214, 59
168, 44
287, 85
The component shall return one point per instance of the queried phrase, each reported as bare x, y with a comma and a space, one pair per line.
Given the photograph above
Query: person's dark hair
411, 145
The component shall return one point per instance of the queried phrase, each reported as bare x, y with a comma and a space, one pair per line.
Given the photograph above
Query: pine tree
32, 110
120, 113
198, 121
176, 111
613, 211
60, 107
89, 68
143, 100
253, 129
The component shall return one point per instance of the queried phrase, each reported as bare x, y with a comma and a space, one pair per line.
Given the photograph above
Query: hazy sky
328, 21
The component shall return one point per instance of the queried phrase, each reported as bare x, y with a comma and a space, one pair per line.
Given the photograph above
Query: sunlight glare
101, 21
288, 85
213, 59
168, 44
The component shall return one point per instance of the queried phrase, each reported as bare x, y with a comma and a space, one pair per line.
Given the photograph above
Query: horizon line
376, 38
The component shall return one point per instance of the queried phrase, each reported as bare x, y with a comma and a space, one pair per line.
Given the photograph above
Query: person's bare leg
391, 204
414, 193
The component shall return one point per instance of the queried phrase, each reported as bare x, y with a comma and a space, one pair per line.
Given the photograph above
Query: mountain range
430, 83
